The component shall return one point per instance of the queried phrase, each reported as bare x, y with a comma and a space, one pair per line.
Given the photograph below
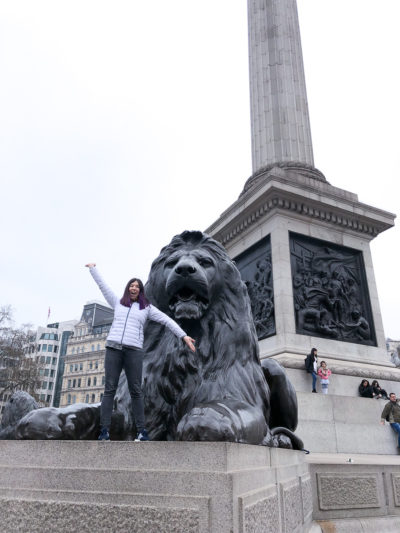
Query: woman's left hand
190, 342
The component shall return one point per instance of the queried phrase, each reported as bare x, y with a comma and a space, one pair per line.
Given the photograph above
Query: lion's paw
206, 424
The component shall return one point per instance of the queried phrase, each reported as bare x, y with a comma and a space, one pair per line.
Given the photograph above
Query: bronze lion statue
220, 392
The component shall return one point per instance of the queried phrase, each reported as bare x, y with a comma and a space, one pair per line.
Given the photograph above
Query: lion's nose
185, 269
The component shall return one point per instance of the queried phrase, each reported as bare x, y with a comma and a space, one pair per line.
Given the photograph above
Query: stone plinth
368, 486
282, 202
154, 486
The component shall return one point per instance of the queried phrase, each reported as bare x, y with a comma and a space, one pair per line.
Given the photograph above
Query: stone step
343, 424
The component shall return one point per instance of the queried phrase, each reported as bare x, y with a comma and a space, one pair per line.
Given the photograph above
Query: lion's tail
297, 443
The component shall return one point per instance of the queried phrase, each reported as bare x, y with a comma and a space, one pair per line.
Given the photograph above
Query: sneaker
104, 434
313, 390
142, 435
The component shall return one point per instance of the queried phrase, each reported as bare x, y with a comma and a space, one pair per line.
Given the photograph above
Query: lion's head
191, 275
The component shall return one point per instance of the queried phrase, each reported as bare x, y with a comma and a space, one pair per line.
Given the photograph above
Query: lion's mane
226, 362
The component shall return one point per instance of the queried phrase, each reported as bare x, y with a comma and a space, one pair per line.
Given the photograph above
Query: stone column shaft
280, 126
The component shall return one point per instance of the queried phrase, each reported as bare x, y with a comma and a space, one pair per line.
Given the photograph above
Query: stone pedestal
283, 201
153, 486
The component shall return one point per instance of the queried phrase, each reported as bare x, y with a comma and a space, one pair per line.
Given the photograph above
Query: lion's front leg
224, 420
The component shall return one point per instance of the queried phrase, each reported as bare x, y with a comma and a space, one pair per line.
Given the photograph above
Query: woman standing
311, 363
124, 348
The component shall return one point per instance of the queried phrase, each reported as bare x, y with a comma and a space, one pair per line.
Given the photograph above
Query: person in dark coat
311, 364
391, 413
365, 389
378, 391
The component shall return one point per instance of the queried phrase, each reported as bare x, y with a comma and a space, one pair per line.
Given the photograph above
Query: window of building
103, 380
71, 367
41, 372
89, 381
96, 365
54, 361
94, 381
55, 349
46, 372
44, 384
44, 347
73, 351
74, 399
69, 399
48, 399
80, 366
48, 360
42, 397
92, 347
91, 365
79, 382
98, 347
50, 348
74, 383
50, 385
93, 398
82, 349
101, 396
76, 367
87, 398
69, 383
52, 373
38, 348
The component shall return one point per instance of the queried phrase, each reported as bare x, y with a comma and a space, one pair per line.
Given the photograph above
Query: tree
18, 371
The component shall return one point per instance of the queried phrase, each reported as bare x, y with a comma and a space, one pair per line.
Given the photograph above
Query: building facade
49, 347
83, 378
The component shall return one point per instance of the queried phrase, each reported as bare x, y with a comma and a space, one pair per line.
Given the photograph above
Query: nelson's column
303, 247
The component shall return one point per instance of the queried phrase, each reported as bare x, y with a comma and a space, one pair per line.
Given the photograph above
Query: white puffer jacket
128, 323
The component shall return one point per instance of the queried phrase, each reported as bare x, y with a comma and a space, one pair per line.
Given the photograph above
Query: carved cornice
301, 206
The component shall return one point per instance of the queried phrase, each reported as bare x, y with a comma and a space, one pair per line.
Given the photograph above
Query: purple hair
126, 299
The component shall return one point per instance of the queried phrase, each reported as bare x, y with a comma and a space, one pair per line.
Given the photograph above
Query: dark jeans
314, 380
396, 428
131, 360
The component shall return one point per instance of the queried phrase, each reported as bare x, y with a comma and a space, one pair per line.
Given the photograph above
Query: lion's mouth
187, 303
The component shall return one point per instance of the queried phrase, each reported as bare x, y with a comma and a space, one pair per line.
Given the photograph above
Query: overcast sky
124, 123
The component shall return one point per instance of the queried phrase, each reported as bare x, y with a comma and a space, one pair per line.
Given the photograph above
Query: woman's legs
314, 382
133, 363
113, 368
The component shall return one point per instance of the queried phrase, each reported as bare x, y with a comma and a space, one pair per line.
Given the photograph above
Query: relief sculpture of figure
220, 392
329, 292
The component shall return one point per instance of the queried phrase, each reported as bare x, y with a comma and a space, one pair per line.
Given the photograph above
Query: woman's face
134, 290
365, 383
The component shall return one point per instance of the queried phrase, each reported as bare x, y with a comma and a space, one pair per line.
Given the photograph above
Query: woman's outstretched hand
190, 342
90, 265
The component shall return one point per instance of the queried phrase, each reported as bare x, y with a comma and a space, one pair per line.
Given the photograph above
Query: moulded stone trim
279, 201
306, 495
260, 508
369, 373
396, 489
338, 491
292, 505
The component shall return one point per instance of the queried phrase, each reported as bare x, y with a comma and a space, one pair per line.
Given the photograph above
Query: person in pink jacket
124, 348
324, 374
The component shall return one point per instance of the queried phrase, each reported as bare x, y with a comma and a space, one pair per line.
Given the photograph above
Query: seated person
365, 389
378, 391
